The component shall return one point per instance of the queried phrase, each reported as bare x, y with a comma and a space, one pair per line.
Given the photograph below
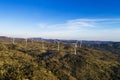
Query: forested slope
20, 62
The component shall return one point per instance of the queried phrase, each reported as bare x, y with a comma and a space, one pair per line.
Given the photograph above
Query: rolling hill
32, 62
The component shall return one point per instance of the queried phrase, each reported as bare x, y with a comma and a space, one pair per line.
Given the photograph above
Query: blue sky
62, 19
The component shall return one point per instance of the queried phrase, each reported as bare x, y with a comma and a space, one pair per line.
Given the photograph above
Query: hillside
20, 62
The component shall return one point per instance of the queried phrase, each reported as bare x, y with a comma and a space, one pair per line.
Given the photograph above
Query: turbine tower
58, 45
13, 40
42, 43
32, 40
75, 47
26, 41
81, 44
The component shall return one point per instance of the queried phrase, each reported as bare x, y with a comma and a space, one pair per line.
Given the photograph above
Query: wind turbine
13, 40
81, 44
32, 40
58, 44
75, 47
26, 41
42, 43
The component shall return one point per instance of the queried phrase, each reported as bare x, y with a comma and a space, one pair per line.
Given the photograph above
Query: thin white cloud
42, 25
97, 19
78, 23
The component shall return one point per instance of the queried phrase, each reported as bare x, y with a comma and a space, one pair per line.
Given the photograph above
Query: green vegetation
32, 62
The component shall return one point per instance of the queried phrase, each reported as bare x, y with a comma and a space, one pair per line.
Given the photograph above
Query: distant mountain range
71, 41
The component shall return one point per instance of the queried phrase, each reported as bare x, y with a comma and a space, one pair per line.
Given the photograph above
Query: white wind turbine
42, 43
81, 44
13, 40
26, 41
75, 47
32, 40
58, 44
